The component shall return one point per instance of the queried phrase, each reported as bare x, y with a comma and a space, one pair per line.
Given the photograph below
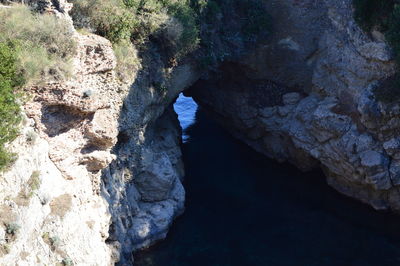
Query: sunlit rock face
307, 98
52, 192
99, 165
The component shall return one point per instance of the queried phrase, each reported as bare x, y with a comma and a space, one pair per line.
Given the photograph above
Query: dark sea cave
244, 209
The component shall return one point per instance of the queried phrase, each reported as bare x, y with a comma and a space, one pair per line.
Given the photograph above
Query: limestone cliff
306, 96
99, 166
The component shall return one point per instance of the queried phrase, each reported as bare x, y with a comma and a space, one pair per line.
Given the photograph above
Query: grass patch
127, 59
43, 44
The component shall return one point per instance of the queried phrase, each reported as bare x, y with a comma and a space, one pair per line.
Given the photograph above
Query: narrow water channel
244, 209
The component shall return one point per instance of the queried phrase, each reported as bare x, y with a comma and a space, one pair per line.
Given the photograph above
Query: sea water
244, 209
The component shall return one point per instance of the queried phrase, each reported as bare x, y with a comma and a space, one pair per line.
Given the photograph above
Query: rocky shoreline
99, 171
316, 110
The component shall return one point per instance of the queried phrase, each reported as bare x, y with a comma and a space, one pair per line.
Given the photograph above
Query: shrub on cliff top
43, 44
138, 20
128, 60
110, 19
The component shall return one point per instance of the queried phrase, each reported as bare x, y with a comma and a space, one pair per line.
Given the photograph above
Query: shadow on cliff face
142, 186
227, 30
244, 209
60, 119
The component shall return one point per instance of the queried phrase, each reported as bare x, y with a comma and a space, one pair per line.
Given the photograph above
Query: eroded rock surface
99, 166
307, 98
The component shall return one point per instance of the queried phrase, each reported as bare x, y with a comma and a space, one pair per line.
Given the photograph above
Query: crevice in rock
60, 119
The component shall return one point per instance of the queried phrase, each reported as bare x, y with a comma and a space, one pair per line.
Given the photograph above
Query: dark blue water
243, 209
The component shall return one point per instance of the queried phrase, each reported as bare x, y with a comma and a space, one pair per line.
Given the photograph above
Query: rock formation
99, 166
307, 97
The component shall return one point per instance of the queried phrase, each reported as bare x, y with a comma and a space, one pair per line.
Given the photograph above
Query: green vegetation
189, 36
138, 20
170, 23
223, 22
110, 19
177, 26
42, 44
127, 58
33, 48
385, 17
9, 108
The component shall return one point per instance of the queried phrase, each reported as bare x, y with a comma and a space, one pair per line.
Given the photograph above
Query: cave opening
186, 108
245, 209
